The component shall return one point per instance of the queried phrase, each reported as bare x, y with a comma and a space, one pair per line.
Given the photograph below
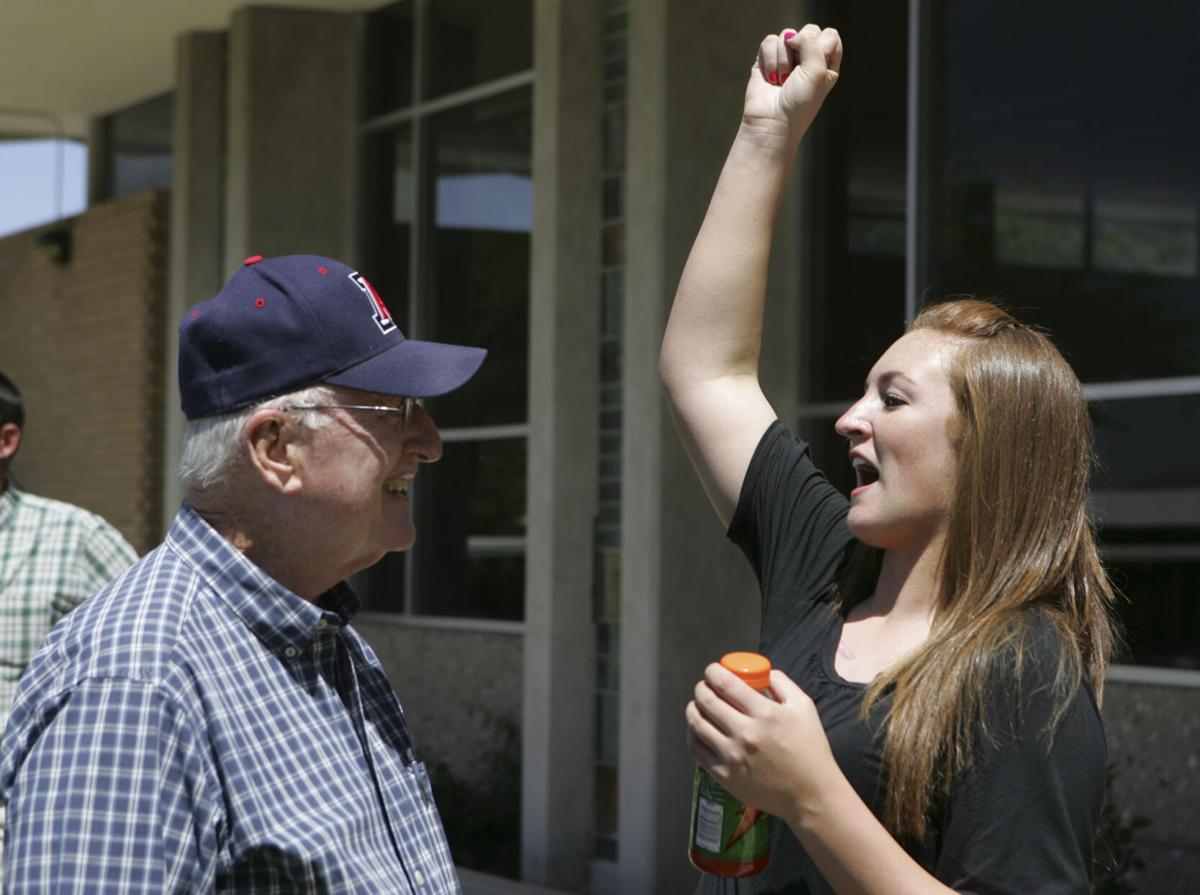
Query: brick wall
85, 343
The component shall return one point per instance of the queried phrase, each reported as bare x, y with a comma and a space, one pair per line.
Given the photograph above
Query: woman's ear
272, 442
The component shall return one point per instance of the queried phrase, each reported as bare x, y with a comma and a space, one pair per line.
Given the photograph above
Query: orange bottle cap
754, 669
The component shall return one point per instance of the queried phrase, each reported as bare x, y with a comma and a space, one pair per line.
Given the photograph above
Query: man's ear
272, 441
10, 441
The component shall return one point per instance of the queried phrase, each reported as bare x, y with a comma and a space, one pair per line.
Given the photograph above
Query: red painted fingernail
789, 34
773, 78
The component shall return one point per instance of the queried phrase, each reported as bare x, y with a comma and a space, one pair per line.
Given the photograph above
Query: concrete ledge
476, 883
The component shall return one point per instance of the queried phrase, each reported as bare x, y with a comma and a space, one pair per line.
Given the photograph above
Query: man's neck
276, 542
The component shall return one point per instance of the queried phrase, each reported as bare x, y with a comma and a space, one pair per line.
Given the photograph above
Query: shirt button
291, 652
322, 624
419, 877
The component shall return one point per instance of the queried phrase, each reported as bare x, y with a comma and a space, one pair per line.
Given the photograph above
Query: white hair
212, 444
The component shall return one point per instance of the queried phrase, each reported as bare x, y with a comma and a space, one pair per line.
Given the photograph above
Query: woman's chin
871, 532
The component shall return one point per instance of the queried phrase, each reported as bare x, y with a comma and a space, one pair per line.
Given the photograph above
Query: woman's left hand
771, 754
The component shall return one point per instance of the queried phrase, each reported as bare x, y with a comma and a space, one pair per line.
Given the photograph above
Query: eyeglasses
403, 413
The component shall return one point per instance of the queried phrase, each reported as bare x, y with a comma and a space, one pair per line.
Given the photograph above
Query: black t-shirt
1022, 820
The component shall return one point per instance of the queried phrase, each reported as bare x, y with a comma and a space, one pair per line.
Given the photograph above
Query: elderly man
211, 721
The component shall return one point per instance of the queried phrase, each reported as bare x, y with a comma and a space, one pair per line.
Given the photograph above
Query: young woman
941, 637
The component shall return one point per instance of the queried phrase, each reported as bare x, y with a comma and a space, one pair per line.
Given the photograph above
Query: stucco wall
457, 688
1154, 745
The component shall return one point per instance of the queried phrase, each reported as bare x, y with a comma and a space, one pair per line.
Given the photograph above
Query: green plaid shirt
52, 556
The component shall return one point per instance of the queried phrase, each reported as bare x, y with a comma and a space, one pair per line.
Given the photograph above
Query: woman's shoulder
1039, 685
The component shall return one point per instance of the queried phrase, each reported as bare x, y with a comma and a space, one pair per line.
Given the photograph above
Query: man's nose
422, 437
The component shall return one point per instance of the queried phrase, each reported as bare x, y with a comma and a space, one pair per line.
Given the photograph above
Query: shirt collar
281, 619
9, 498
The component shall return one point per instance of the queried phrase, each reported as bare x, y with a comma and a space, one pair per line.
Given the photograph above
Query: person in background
211, 721
52, 556
941, 637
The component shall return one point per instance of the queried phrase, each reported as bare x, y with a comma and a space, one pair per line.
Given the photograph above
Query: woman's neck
910, 581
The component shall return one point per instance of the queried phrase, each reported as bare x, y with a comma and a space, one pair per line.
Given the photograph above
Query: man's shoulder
137, 626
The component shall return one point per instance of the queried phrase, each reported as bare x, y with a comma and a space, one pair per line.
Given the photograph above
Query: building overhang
67, 61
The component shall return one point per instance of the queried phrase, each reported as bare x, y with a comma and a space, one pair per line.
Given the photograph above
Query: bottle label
724, 829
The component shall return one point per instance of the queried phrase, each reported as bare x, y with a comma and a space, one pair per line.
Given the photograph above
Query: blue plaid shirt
197, 727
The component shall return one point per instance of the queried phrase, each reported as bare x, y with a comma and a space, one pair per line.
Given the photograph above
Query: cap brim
413, 369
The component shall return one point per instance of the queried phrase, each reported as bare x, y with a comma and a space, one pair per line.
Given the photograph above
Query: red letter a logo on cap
382, 316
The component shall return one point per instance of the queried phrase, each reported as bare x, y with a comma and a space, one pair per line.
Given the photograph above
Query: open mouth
397, 486
864, 472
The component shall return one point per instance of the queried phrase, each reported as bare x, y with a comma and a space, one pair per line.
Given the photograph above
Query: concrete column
197, 213
293, 110
688, 594
557, 738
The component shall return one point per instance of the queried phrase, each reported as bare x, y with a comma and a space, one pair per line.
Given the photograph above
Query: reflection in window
1140, 237
471, 523
1159, 610
1040, 229
478, 40
857, 205
1082, 218
448, 201
1131, 458
138, 147
479, 279
390, 215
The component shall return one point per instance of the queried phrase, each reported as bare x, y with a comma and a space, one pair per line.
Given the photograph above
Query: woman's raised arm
709, 358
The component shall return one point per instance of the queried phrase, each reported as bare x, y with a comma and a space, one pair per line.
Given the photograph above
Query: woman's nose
852, 423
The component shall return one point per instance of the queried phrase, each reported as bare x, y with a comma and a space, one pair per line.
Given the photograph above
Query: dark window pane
470, 524
381, 587
1130, 458
1160, 612
474, 41
390, 51
139, 146
478, 292
389, 214
1074, 198
858, 195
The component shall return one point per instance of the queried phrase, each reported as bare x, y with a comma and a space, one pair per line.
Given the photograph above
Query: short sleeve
1024, 819
112, 796
791, 524
102, 555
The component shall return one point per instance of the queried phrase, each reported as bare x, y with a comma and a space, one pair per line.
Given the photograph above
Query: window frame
415, 116
920, 254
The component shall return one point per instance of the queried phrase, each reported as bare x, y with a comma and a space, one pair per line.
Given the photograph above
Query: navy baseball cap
281, 324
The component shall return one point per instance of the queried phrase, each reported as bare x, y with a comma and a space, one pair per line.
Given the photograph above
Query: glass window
1069, 194
1073, 193
471, 524
390, 211
1130, 459
474, 41
1158, 573
448, 208
138, 142
482, 219
390, 57
1073, 198
857, 213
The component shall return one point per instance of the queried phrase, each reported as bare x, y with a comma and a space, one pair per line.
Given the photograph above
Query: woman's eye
890, 400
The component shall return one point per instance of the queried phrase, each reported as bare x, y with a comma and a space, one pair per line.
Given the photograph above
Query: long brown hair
1018, 543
